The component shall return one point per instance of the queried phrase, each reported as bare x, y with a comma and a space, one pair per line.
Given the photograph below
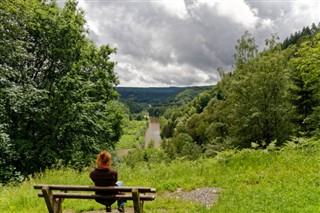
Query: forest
59, 103
155, 100
270, 97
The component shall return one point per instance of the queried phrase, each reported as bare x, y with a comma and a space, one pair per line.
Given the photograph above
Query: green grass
133, 134
287, 180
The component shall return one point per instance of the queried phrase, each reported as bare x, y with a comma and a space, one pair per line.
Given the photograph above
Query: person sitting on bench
104, 175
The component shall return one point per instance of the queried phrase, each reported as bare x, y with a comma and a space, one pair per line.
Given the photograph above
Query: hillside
269, 180
158, 96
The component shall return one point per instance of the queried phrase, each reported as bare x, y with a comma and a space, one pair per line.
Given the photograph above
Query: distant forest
138, 99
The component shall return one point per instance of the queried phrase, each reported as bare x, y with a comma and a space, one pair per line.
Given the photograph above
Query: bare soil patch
206, 195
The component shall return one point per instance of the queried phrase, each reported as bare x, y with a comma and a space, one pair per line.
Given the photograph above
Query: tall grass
133, 134
286, 180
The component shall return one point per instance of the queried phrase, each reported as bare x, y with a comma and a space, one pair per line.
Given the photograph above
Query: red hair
104, 159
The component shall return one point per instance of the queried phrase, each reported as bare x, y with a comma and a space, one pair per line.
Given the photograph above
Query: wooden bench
55, 194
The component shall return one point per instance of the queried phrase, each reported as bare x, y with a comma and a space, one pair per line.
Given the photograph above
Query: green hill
269, 180
158, 96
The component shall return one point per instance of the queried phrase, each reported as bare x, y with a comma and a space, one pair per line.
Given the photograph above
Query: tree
8, 154
201, 101
57, 96
305, 73
246, 49
258, 96
181, 145
299, 37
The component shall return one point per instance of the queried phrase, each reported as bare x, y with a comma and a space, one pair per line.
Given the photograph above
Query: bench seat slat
94, 196
95, 188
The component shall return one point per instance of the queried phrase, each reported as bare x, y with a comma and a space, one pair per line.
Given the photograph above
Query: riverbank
133, 135
139, 133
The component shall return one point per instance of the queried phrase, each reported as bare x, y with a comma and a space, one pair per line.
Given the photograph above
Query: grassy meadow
285, 180
133, 134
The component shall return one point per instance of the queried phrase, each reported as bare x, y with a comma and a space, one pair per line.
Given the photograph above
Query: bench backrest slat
95, 188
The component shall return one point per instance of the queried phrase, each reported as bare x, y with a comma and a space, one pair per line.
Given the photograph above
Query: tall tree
246, 49
305, 72
258, 98
57, 96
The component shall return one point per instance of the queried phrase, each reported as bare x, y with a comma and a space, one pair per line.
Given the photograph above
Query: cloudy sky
183, 42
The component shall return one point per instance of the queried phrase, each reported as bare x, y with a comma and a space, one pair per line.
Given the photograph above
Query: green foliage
157, 100
259, 99
269, 96
188, 95
58, 102
246, 49
150, 155
285, 180
139, 99
187, 119
298, 37
133, 134
133, 106
181, 145
167, 129
305, 72
156, 111
7, 169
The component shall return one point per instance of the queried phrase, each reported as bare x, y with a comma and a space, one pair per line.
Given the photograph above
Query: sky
162, 43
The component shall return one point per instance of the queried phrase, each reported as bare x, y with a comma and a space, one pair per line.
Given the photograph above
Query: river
153, 132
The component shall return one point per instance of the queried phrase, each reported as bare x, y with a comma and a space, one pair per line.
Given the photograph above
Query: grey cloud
208, 41
158, 48
147, 33
287, 16
270, 8
183, 78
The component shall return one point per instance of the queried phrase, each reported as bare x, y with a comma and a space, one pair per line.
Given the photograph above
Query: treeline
300, 36
268, 98
58, 105
155, 99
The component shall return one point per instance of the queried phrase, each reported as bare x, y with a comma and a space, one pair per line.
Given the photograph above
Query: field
133, 134
285, 180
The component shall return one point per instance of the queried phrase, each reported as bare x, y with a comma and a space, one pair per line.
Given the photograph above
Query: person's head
104, 160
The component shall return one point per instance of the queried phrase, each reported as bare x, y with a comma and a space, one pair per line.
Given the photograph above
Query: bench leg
136, 201
54, 206
58, 206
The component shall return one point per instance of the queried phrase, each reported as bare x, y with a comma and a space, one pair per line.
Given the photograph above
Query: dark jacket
104, 177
